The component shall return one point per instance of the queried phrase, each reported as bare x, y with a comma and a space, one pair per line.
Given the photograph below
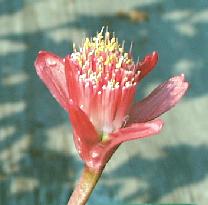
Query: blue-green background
38, 162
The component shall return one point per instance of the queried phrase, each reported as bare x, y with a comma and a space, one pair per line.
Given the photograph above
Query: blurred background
38, 162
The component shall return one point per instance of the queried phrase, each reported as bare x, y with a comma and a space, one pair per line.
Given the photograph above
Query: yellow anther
113, 40
112, 58
100, 36
108, 53
87, 40
118, 65
107, 61
126, 55
121, 50
80, 62
87, 43
128, 61
97, 53
89, 72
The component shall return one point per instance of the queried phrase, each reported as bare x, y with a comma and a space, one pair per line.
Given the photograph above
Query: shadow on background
51, 174
52, 170
181, 166
12, 7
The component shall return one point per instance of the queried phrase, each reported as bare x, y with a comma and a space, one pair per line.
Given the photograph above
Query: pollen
103, 61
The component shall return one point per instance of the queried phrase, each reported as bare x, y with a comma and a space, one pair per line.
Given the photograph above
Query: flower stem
84, 187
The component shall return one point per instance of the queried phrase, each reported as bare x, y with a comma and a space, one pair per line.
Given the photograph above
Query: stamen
130, 49
103, 61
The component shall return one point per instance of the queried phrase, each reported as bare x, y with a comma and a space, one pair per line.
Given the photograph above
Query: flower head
104, 79
96, 85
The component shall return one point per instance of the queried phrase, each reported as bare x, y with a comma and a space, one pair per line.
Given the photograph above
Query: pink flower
97, 85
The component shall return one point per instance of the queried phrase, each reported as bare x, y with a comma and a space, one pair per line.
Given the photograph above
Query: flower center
102, 61
106, 79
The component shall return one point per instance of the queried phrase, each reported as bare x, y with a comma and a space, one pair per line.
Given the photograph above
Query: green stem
84, 187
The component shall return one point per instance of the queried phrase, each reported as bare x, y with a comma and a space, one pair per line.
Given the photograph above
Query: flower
96, 85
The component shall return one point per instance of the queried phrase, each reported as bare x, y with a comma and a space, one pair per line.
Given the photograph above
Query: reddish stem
84, 187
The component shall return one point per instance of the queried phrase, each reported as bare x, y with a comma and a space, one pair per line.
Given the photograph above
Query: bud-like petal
50, 69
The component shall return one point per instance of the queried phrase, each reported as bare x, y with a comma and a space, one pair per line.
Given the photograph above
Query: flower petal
71, 78
147, 64
82, 125
164, 97
101, 153
50, 69
136, 131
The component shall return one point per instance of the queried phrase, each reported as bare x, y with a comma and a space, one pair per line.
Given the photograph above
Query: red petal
85, 134
136, 131
50, 69
101, 153
147, 64
71, 79
164, 97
